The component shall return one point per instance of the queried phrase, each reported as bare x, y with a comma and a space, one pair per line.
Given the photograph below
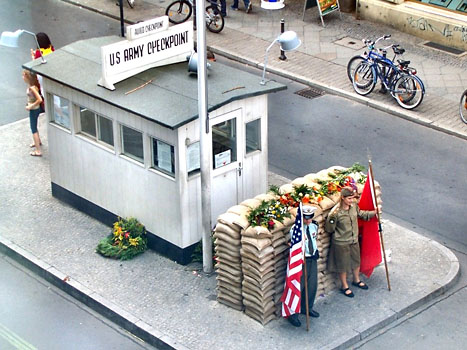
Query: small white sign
164, 156
126, 58
222, 159
142, 29
192, 157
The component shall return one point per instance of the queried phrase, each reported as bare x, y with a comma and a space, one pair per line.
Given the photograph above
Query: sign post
324, 7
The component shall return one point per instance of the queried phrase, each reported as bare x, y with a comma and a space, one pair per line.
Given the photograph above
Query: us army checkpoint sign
162, 46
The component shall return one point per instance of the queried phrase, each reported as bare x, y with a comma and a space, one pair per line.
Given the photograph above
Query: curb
91, 299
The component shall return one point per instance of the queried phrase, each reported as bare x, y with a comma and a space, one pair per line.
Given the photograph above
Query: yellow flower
133, 241
273, 212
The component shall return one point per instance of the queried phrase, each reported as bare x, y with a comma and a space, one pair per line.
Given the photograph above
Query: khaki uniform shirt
344, 224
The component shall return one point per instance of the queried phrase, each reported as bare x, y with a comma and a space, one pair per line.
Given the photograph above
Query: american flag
292, 295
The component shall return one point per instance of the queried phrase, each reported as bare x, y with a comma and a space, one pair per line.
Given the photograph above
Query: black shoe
294, 321
360, 285
313, 313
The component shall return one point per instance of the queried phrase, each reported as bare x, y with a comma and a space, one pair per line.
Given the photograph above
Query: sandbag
258, 243
226, 239
224, 228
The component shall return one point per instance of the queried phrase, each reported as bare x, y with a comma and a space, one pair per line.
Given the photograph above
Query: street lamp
289, 41
10, 39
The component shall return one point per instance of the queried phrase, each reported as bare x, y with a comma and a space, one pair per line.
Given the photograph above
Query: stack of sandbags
252, 261
227, 249
280, 241
257, 254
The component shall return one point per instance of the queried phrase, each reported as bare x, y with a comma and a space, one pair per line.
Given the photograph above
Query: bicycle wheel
179, 11
214, 20
409, 91
353, 63
131, 3
463, 107
364, 78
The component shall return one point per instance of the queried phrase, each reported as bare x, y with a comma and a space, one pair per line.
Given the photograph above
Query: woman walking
33, 106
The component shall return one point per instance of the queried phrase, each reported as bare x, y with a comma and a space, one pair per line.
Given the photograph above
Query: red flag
292, 293
370, 247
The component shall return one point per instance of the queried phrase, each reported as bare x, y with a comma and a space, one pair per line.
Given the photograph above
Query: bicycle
356, 60
401, 81
180, 11
463, 107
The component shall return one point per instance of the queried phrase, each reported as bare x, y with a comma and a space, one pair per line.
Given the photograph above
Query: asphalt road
36, 315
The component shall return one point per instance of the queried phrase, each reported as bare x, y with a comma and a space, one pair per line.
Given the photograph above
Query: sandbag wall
252, 260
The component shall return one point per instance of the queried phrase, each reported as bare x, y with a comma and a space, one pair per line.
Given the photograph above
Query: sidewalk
322, 58
174, 306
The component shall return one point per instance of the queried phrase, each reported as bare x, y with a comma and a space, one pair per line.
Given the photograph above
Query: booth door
227, 160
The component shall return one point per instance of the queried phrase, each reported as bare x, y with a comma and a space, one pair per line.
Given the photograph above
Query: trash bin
347, 5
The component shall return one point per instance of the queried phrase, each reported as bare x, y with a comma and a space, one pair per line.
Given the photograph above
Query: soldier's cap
308, 211
348, 191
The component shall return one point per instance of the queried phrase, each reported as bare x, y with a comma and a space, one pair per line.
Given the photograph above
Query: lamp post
10, 39
204, 147
288, 41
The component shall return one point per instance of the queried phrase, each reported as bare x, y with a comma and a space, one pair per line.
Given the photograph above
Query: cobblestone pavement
322, 58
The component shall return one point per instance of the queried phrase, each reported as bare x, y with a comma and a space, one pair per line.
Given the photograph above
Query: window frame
53, 120
122, 144
153, 166
97, 137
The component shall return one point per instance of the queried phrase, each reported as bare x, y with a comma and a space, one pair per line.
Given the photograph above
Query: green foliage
268, 211
128, 239
197, 255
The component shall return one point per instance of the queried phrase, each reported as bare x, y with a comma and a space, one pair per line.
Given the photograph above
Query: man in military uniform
310, 235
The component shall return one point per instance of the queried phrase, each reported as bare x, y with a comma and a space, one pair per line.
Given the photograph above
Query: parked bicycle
371, 45
463, 107
400, 80
180, 11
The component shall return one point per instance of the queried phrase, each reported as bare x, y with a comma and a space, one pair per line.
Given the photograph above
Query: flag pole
380, 228
305, 279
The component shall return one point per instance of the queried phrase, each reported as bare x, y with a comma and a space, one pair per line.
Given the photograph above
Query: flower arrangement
128, 239
268, 211
277, 209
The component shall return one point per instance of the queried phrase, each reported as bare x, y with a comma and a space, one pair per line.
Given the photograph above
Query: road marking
15, 339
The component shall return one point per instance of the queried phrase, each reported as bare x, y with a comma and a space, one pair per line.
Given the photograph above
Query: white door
227, 160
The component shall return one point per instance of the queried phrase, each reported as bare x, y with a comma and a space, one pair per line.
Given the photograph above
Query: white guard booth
134, 150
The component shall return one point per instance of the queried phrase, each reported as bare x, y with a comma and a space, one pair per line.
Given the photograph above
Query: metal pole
282, 56
380, 229
204, 146
121, 19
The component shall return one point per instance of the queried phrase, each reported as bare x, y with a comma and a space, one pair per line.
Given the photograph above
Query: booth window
163, 157
61, 112
253, 136
132, 143
96, 126
224, 143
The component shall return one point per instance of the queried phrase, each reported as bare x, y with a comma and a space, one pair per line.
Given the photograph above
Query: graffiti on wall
447, 30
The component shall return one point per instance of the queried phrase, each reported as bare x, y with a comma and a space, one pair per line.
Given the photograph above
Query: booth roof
171, 99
